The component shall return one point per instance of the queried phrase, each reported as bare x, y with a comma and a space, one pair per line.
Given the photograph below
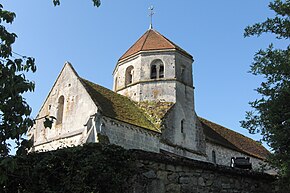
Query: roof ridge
148, 31
131, 46
172, 44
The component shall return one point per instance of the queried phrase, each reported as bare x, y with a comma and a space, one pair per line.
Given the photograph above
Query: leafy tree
271, 113
14, 110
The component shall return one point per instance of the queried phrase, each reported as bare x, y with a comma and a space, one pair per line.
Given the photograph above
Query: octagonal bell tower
152, 69
156, 69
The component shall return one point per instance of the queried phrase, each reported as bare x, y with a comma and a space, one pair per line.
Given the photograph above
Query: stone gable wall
78, 107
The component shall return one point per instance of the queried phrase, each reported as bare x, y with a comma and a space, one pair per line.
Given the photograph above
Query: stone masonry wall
223, 155
129, 136
77, 108
167, 174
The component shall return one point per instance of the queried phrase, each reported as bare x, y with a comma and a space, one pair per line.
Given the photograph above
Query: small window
129, 75
59, 116
182, 126
161, 71
213, 156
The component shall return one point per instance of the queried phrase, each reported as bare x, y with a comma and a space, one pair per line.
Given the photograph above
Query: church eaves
152, 40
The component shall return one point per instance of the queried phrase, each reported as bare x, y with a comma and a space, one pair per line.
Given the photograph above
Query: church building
151, 107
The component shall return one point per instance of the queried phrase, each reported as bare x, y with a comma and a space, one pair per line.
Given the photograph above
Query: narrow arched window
59, 116
213, 156
129, 75
153, 73
182, 126
161, 71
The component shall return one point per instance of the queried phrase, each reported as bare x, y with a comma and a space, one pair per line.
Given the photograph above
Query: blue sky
93, 39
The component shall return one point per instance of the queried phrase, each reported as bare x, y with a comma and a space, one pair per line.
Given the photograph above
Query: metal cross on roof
151, 13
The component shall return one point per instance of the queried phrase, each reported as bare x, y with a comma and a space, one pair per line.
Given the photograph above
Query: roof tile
243, 143
152, 40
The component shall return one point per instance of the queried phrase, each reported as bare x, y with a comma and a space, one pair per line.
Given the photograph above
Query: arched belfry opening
157, 69
129, 75
161, 71
153, 72
60, 105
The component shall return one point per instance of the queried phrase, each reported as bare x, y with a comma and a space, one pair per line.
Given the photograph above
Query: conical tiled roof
149, 41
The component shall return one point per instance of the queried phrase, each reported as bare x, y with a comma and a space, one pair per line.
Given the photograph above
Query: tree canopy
14, 110
271, 113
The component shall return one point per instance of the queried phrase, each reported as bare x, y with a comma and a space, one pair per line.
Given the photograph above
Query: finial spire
151, 13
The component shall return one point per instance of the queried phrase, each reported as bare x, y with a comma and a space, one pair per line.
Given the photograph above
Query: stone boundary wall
160, 173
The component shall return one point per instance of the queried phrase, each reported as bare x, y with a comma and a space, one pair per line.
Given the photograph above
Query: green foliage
48, 121
90, 168
271, 114
14, 110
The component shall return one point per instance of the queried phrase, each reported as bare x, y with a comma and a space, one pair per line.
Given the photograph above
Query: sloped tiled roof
116, 106
152, 40
226, 137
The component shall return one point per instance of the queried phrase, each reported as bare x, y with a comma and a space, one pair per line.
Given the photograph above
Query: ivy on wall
91, 168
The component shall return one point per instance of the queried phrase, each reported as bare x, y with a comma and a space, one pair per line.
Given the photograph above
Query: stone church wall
77, 108
223, 155
165, 174
129, 136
